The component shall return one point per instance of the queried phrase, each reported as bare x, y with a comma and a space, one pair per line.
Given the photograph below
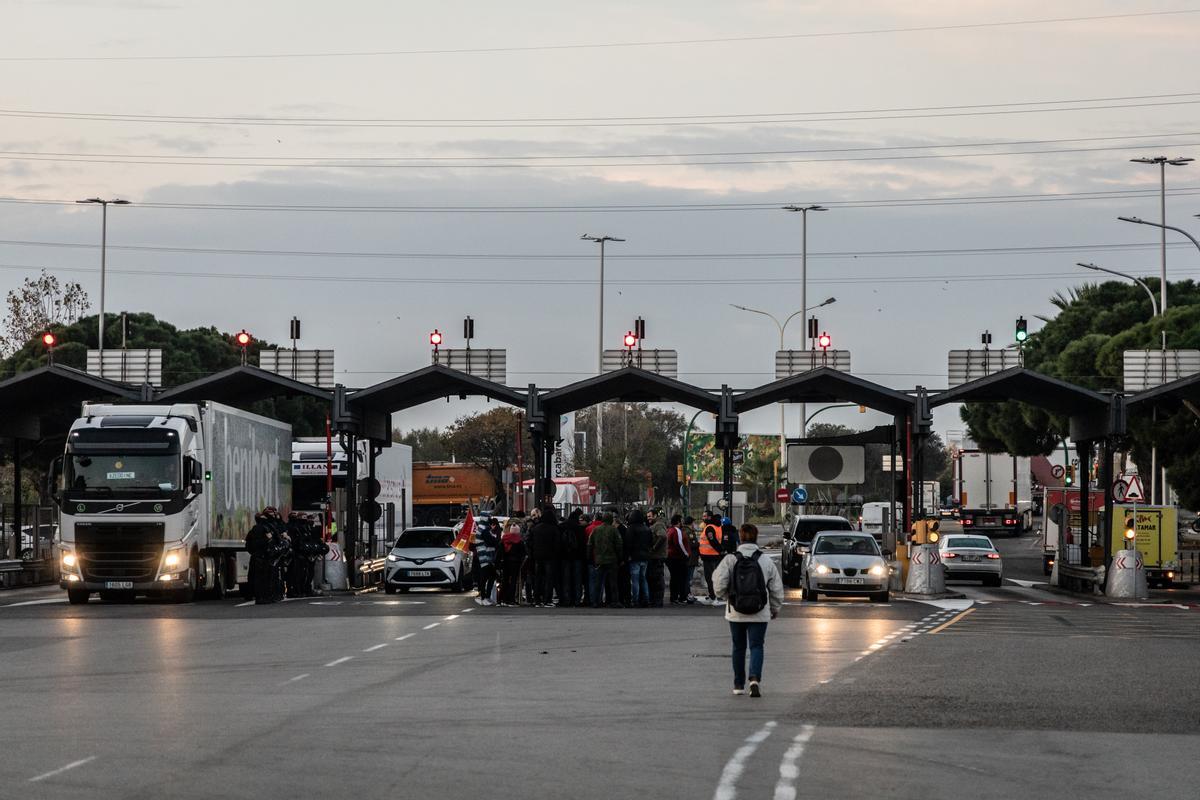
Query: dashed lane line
405, 636
293, 680
431, 626
375, 647
789, 767
337, 661
727, 786
62, 769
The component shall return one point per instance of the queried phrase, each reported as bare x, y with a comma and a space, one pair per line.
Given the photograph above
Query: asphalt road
430, 695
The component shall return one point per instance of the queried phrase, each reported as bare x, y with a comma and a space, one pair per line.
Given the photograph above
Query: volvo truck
157, 499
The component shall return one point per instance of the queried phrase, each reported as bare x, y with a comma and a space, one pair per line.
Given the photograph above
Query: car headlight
822, 569
878, 569
393, 557
448, 557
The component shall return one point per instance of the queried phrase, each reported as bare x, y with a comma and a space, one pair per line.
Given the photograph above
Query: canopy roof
826, 385
1017, 383
52, 394
240, 386
629, 384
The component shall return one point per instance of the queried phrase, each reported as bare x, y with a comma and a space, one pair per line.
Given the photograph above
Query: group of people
599, 560
283, 555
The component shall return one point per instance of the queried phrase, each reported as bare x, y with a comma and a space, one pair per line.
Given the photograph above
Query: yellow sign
1156, 531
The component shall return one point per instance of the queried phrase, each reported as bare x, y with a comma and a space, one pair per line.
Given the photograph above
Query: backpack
747, 585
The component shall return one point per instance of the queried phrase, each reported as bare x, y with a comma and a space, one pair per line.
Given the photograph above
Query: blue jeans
639, 590
756, 632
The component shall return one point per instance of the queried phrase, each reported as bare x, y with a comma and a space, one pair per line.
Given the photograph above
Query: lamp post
803, 210
1162, 162
782, 327
103, 259
600, 335
1138, 281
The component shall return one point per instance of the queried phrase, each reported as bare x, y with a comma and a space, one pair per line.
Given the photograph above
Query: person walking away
486, 545
677, 561
693, 540
512, 557
752, 588
640, 540
545, 540
604, 552
572, 552
658, 558
258, 540
711, 552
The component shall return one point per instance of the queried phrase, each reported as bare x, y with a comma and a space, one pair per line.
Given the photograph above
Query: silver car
426, 557
971, 557
846, 563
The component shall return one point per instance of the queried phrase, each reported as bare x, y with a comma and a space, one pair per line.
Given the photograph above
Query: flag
466, 536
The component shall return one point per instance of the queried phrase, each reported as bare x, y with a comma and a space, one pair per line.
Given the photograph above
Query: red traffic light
243, 338
824, 341
630, 340
49, 339
435, 338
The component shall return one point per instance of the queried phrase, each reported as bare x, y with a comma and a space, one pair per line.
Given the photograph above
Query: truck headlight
68, 560
172, 559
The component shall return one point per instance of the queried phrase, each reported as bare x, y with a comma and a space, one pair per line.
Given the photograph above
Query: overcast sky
497, 123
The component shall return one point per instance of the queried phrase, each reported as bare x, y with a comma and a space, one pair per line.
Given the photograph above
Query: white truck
311, 475
995, 491
157, 499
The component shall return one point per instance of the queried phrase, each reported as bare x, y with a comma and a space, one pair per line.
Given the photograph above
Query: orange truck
442, 491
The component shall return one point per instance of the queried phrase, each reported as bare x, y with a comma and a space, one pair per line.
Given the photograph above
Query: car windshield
847, 545
425, 537
122, 472
981, 542
806, 529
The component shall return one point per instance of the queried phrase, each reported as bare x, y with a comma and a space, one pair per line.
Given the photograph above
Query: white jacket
775, 594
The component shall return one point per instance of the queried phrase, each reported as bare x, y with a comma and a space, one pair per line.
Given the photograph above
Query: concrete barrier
335, 577
896, 579
1127, 576
925, 572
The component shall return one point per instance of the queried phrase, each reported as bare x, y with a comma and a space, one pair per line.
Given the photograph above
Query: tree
643, 446
489, 441
1084, 344
428, 444
38, 305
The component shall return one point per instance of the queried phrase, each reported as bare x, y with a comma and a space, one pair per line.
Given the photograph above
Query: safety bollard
335, 568
896, 576
925, 572
1127, 576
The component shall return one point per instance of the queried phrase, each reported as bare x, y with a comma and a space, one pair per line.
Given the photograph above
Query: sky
455, 152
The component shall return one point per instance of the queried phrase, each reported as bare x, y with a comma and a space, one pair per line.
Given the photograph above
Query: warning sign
1155, 532
1134, 493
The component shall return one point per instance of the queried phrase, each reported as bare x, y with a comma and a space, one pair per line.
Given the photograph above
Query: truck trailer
995, 491
442, 491
157, 499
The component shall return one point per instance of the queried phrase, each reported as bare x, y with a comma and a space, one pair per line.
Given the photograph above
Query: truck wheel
78, 597
187, 594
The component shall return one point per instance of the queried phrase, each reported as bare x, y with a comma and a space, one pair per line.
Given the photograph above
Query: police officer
279, 552
258, 542
307, 547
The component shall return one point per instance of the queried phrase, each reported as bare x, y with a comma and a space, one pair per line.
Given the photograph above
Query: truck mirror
194, 471
52, 476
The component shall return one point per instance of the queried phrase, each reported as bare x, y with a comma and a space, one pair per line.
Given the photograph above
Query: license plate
989, 521
970, 558
118, 584
420, 573
850, 580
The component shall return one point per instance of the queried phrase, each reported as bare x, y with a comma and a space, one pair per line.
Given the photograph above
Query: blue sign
799, 495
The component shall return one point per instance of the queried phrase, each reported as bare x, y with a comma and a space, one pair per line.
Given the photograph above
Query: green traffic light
1022, 332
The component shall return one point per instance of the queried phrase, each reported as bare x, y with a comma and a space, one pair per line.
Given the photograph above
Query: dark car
796, 543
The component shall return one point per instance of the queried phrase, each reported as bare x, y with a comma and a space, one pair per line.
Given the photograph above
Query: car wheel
993, 580
881, 597
807, 594
389, 589
402, 589
78, 597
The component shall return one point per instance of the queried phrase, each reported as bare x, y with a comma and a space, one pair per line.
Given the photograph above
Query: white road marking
949, 605
431, 625
789, 770
337, 661
1026, 584
37, 602
375, 647
61, 770
451, 617
293, 680
727, 786
405, 636
467, 610
247, 603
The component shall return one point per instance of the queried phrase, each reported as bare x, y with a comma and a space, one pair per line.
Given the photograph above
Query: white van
876, 517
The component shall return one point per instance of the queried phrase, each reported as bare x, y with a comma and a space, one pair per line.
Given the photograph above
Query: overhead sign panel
971, 365
1146, 369
795, 362
314, 367
822, 463
489, 364
661, 362
127, 366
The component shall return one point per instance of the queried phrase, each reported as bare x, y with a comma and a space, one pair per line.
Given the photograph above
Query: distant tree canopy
36, 306
1084, 344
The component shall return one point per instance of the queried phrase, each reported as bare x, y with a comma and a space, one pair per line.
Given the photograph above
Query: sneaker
755, 691
486, 602
737, 690
478, 601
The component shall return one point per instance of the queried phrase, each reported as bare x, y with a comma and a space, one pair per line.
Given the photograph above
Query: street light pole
804, 276
600, 336
103, 261
1138, 281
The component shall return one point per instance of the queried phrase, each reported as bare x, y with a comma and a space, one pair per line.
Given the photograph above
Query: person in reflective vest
711, 552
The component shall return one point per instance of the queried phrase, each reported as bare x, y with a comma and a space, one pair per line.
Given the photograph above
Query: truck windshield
120, 472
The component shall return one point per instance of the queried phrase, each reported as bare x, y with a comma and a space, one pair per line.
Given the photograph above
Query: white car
426, 557
846, 563
971, 557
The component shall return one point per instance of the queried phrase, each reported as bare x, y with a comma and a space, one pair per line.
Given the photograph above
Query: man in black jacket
639, 543
573, 555
545, 544
258, 540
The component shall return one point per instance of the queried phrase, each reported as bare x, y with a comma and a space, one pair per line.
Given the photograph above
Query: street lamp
1138, 281
804, 273
1162, 162
103, 258
600, 335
